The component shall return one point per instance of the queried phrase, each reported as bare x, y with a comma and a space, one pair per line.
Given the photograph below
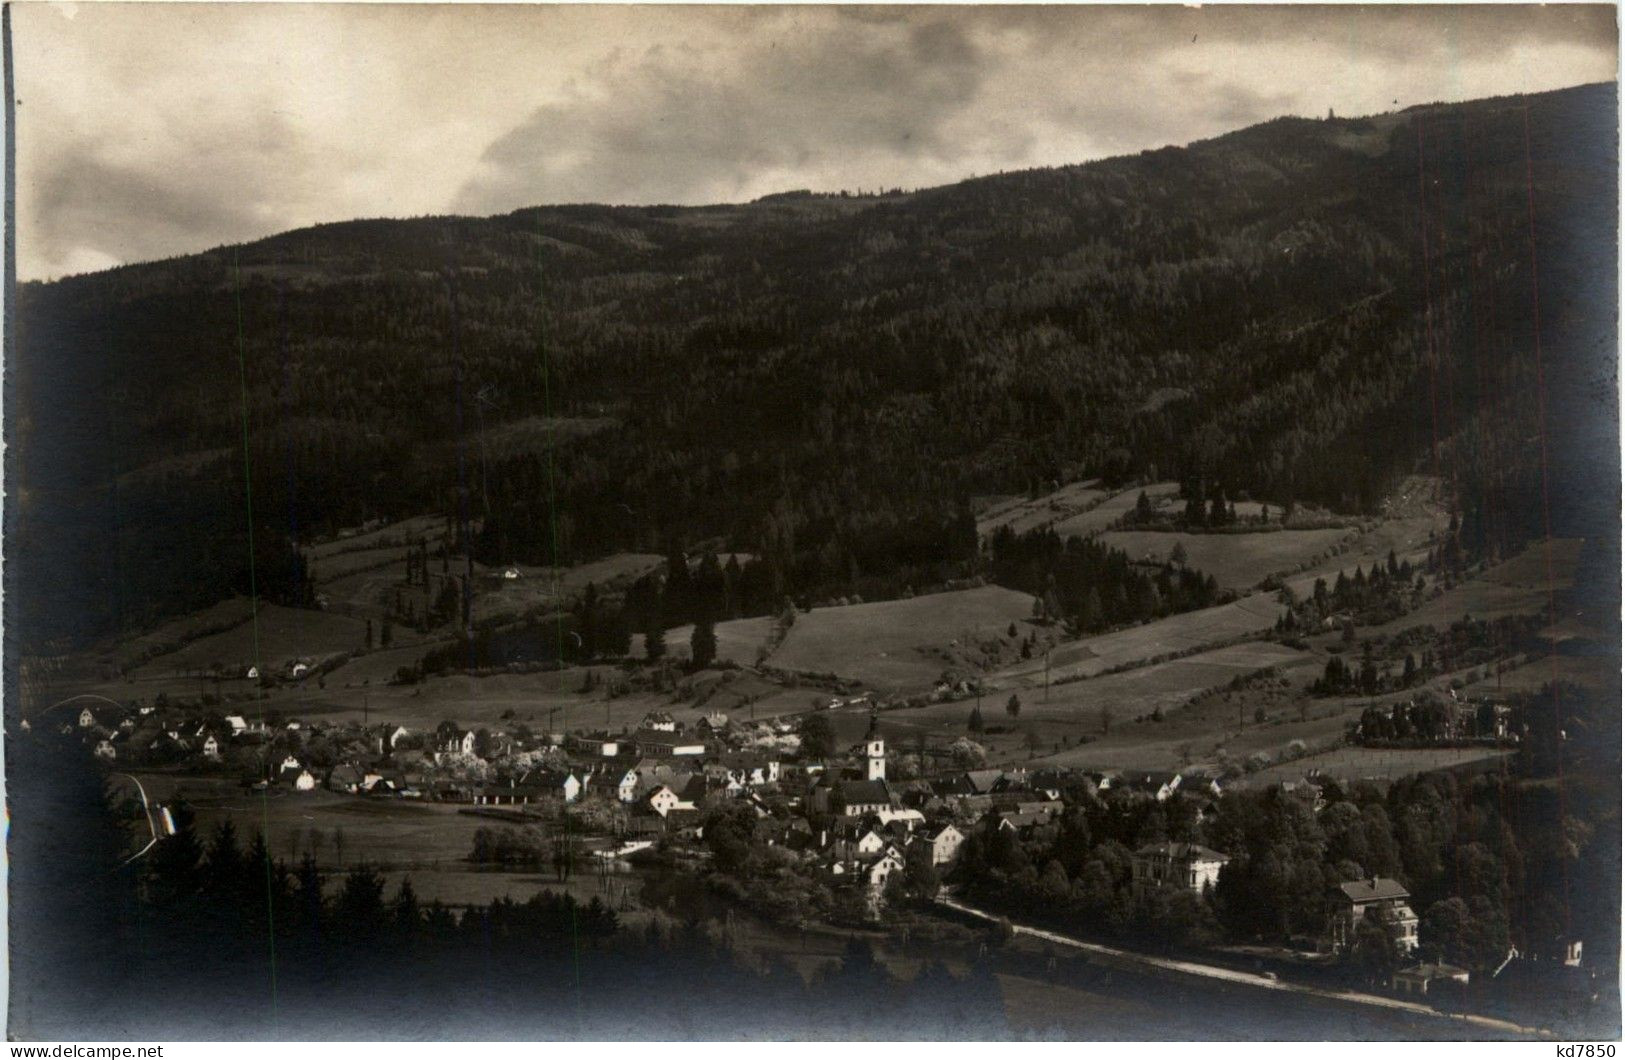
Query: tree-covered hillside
1303, 310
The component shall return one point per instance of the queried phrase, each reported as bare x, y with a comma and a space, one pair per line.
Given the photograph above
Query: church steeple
875, 750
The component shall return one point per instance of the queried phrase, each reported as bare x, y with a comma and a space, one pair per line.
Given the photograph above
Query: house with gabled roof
1419, 977
945, 843
1022, 823
860, 843
752, 769
615, 783
552, 783
1179, 866
665, 802
659, 721
1375, 896
880, 873
650, 777
1157, 785
856, 798
983, 781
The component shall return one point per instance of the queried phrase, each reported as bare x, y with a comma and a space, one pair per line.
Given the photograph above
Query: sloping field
370, 592
1531, 569
553, 698
1108, 511
180, 631
550, 586
1073, 711
738, 640
1177, 633
1021, 514
539, 434
1377, 763
284, 634
1520, 586
888, 644
1407, 538
377, 667
407, 531
1166, 685
1237, 561
337, 565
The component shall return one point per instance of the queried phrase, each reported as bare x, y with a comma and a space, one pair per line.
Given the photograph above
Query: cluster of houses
847, 816
150, 734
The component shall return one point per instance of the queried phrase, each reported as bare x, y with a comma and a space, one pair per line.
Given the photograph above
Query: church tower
875, 750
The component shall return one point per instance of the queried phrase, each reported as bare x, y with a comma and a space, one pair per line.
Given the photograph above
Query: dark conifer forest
1302, 311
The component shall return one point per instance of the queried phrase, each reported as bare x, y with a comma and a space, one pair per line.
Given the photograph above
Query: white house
624, 786
862, 846
568, 786
105, 750
659, 721
663, 801
211, 747
599, 745
752, 770
881, 872
909, 818
86, 718
1184, 866
945, 845
1160, 786
304, 781
238, 725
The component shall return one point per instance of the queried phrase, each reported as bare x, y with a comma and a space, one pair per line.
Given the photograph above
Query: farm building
1417, 978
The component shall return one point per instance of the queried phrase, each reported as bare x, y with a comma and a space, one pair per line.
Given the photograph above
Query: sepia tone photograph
812, 523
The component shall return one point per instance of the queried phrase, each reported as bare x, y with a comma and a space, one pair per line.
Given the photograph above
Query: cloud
95, 203
151, 130
809, 94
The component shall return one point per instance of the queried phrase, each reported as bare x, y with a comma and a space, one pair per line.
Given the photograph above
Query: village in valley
977, 765
810, 523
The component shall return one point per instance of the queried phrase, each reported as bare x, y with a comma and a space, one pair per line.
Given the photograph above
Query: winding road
1263, 982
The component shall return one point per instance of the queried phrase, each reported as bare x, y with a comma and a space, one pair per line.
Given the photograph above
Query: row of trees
1091, 585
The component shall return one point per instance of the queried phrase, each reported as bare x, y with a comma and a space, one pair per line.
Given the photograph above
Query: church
861, 790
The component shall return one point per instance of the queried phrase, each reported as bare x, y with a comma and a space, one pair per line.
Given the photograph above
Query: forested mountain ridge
1301, 310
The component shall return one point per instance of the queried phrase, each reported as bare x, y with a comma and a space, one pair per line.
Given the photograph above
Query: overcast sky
148, 131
